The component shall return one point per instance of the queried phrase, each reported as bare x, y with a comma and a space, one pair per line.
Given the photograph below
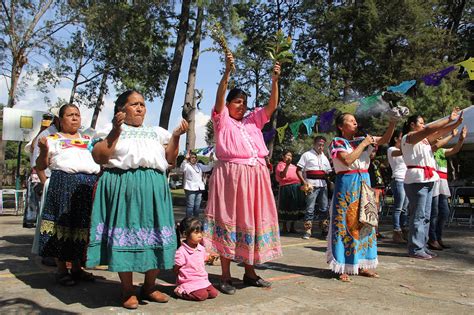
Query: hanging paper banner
309, 123
295, 128
281, 132
349, 108
402, 87
469, 66
367, 102
325, 120
434, 79
207, 150
268, 135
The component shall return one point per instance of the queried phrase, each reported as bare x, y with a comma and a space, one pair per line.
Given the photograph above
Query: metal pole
17, 180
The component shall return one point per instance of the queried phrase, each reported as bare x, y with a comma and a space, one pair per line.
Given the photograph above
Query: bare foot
345, 278
368, 274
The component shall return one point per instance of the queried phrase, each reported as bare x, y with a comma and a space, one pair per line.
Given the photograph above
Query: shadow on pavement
25, 306
300, 270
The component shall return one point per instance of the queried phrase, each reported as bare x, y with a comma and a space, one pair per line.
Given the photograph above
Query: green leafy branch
279, 48
217, 34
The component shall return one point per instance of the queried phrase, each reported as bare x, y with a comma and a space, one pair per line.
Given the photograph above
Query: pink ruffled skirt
241, 221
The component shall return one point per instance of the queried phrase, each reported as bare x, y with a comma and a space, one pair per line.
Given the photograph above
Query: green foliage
279, 48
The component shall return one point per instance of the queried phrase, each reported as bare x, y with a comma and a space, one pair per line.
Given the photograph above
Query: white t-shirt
140, 147
399, 168
312, 161
193, 175
419, 154
340, 144
71, 155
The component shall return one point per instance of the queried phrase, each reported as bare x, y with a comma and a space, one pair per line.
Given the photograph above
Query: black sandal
82, 275
65, 279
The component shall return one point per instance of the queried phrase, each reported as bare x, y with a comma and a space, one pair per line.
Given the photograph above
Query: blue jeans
193, 202
318, 195
439, 216
420, 198
400, 211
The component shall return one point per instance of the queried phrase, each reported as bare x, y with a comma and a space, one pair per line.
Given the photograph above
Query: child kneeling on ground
192, 278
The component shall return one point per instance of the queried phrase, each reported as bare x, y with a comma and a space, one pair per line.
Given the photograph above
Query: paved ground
301, 282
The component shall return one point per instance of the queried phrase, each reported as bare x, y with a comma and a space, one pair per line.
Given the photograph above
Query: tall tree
170, 91
189, 107
24, 30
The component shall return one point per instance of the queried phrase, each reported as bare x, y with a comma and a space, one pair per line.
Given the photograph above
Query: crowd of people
106, 199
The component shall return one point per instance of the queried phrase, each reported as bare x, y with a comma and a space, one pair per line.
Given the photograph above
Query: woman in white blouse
132, 226
421, 176
65, 219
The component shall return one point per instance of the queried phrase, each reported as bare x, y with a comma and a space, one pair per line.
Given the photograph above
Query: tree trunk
100, 98
76, 79
176, 65
189, 108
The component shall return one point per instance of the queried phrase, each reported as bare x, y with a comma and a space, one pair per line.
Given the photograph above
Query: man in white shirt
312, 170
193, 182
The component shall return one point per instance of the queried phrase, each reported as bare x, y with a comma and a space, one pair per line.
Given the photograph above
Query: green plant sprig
279, 48
218, 36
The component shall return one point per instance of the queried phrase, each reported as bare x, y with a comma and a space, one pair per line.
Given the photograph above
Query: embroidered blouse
140, 147
71, 155
340, 144
240, 141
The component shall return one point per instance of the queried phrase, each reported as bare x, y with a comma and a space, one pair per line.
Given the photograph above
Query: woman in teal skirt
352, 246
132, 225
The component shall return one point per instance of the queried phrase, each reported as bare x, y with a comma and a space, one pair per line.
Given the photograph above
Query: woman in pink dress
241, 221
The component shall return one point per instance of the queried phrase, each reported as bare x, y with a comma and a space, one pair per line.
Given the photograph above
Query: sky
208, 77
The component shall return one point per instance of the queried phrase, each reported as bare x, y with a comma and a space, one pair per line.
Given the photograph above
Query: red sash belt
442, 175
315, 174
352, 172
428, 171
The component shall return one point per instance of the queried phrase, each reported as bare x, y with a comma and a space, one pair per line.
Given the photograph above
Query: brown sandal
130, 301
154, 296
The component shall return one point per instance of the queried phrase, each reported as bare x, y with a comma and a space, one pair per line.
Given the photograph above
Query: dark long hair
412, 119
122, 100
64, 107
395, 135
235, 93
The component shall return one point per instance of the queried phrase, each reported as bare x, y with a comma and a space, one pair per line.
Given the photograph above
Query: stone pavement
301, 282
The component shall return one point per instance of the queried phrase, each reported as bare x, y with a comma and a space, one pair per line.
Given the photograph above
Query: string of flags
325, 120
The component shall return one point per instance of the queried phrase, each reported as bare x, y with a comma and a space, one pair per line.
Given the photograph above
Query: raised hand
455, 114
229, 62
43, 144
181, 129
276, 71
455, 132
463, 133
369, 140
118, 120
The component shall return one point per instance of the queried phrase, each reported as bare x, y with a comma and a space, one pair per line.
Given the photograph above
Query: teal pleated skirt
132, 225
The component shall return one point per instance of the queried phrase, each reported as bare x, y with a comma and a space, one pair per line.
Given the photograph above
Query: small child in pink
193, 283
